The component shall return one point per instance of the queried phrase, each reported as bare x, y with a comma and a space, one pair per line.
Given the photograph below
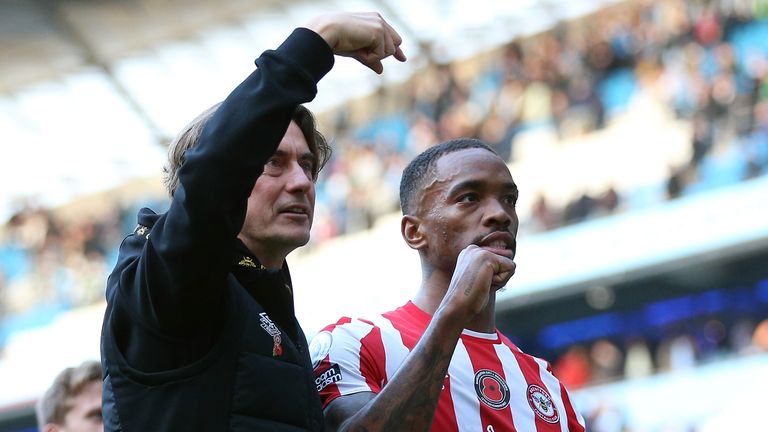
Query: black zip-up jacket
197, 335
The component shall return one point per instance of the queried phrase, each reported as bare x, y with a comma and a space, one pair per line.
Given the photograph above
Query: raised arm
408, 401
176, 283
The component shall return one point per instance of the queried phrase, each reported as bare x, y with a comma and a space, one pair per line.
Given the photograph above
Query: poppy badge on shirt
492, 389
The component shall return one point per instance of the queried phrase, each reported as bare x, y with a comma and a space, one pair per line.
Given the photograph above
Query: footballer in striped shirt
438, 363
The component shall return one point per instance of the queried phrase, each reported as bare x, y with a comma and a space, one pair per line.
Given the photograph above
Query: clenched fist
364, 36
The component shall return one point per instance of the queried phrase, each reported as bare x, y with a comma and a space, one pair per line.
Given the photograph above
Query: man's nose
299, 178
498, 214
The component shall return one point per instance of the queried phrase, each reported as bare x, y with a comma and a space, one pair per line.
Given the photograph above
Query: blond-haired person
73, 402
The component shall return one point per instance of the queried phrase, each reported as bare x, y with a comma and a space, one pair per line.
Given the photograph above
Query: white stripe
394, 348
466, 405
522, 414
347, 355
553, 386
480, 335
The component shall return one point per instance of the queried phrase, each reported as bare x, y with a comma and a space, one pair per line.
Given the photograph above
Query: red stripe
508, 342
532, 374
573, 420
341, 321
445, 414
483, 356
373, 359
409, 333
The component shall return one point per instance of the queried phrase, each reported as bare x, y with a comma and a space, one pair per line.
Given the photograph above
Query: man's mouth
499, 242
296, 209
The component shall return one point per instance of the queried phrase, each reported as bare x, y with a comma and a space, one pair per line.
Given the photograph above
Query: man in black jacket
199, 332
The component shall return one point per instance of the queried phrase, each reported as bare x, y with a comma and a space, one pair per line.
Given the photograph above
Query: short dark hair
190, 135
415, 174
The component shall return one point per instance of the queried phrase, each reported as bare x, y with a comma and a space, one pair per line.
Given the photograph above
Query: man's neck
485, 321
269, 257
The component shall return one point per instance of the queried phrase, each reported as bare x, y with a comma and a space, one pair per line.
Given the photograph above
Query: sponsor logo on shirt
541, 402
328, 377
491, 389
320, 347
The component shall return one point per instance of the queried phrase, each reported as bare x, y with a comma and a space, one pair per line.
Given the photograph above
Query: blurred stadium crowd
605, 361
706, 61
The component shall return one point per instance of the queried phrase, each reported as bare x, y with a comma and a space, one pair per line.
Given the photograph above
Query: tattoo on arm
409, 400
471, 283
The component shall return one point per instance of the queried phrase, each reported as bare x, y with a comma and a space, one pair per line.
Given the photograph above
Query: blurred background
637, 132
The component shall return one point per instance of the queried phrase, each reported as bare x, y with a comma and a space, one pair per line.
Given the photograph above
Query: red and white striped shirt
491, 385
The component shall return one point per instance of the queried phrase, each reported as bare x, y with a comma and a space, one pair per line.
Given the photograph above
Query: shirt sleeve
346, 360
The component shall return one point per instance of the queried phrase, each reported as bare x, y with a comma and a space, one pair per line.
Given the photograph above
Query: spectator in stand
573, 368
607, 360
760, 336
543, 217
73, 402
639, 362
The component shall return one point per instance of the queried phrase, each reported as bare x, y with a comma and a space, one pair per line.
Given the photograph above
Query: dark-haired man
439, 362
199, 332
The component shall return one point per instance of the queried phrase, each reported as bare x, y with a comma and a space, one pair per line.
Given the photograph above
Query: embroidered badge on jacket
272, 330
247, 262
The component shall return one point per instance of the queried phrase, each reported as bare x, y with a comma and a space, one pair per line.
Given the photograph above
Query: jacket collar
244, 263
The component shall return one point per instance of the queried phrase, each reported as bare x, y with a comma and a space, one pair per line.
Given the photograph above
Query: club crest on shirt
541, 402
491, 389
272, 330
320, 347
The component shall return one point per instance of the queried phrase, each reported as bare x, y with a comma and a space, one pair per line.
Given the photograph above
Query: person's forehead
474, 163
92, 388
294, 140
90, 392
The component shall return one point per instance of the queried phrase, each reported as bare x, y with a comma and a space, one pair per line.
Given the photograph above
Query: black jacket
197, 335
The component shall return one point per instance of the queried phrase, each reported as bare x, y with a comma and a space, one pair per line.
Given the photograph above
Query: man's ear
410, 228
50, 427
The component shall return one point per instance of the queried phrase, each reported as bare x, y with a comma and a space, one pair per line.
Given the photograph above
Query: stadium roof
88, 89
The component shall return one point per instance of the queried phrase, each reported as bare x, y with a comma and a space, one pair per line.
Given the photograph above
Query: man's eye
308, 167
273, 165
470, 197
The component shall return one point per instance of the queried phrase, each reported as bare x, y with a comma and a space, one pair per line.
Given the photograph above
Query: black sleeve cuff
314, 55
